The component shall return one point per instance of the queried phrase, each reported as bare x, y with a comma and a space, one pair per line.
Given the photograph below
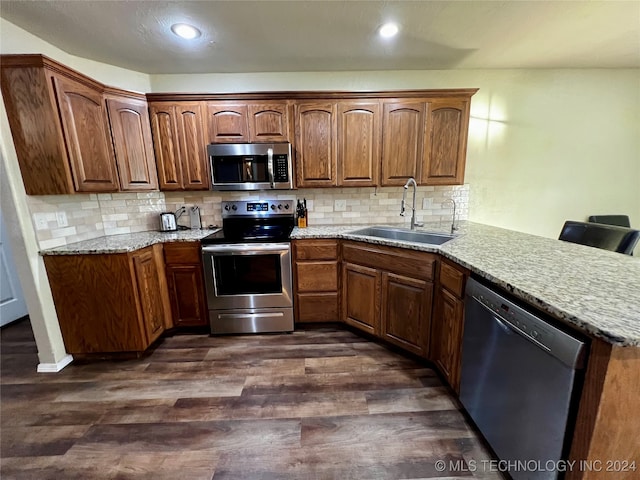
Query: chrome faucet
453, 217
414, 224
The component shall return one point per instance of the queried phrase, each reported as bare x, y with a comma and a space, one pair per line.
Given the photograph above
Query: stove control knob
234, 208
273, 207
226, 207
286, 206
280, 206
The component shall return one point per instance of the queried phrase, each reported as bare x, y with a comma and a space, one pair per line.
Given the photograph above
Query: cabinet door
445, 152
358, 143
186, 294
166, 145
131, 133
406, 312
446, 340
149, 287
193, 149
316, 144
269, 122
361, 295
86, 134
402, 133
227, 122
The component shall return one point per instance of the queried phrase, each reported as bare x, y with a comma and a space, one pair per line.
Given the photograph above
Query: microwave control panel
280, 168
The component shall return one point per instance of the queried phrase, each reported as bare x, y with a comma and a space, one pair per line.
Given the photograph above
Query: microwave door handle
270, 166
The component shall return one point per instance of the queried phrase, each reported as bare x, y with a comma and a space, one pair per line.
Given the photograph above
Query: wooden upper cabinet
402, 134
316, 144
165, 140
358, 143
269, 122
131, 133
193, 148
445, 149
180, 146
227, 122
86, 134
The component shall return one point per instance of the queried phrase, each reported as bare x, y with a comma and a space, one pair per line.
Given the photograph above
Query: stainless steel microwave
251, 166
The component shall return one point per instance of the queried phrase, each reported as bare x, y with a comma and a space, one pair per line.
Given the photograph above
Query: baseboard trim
55, 367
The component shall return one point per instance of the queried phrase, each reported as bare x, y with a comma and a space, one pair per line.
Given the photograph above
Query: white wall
544, 145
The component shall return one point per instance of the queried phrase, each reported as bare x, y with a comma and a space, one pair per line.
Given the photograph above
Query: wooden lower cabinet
148, 283
186, 284
361, 294
109, 303
316, 280
447, 324
406, 312
388, 292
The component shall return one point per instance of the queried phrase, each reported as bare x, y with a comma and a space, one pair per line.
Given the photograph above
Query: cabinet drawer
317, 276
404, 262
316, 250
317, 307
182, 253
452, 279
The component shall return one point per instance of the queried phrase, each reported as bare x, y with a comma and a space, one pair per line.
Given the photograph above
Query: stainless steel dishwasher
520, 377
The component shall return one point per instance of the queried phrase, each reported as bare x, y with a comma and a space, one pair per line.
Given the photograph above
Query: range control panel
258, 208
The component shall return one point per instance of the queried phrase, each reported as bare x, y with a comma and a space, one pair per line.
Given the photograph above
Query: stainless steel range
247, 268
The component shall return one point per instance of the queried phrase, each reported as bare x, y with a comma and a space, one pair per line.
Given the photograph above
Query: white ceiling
280, 36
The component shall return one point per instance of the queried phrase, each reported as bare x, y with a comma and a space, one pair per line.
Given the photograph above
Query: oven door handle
247, 249
270, 166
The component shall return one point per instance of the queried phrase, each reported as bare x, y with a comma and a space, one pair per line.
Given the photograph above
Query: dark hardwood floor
316, 404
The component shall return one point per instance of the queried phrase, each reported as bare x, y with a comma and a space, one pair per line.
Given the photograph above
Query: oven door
248, 276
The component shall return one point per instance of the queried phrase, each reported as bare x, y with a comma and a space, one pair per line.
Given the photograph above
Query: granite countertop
595, 290
127, 242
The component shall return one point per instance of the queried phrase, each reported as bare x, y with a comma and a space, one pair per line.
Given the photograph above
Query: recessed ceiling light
185, 31
388, 30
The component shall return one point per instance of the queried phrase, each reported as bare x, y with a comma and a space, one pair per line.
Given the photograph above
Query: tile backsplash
63, 219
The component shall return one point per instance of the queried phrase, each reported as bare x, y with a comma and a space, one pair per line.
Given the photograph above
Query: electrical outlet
340, 206
61, 217
427, 203
40, 219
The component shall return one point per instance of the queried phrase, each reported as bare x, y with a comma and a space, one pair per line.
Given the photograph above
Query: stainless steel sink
404, 234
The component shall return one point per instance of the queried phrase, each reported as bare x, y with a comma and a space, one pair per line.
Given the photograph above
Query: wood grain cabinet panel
447, 335
228, 122
393, 287
402, 141
166, 145
406, 312
149, 293
87, 137
181, 151
445, 151
358, 143
361, 297
269, 122
108, 303
185, 282
193, 149
36, 130
316, 278
447, 321
133, 144
316, 144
